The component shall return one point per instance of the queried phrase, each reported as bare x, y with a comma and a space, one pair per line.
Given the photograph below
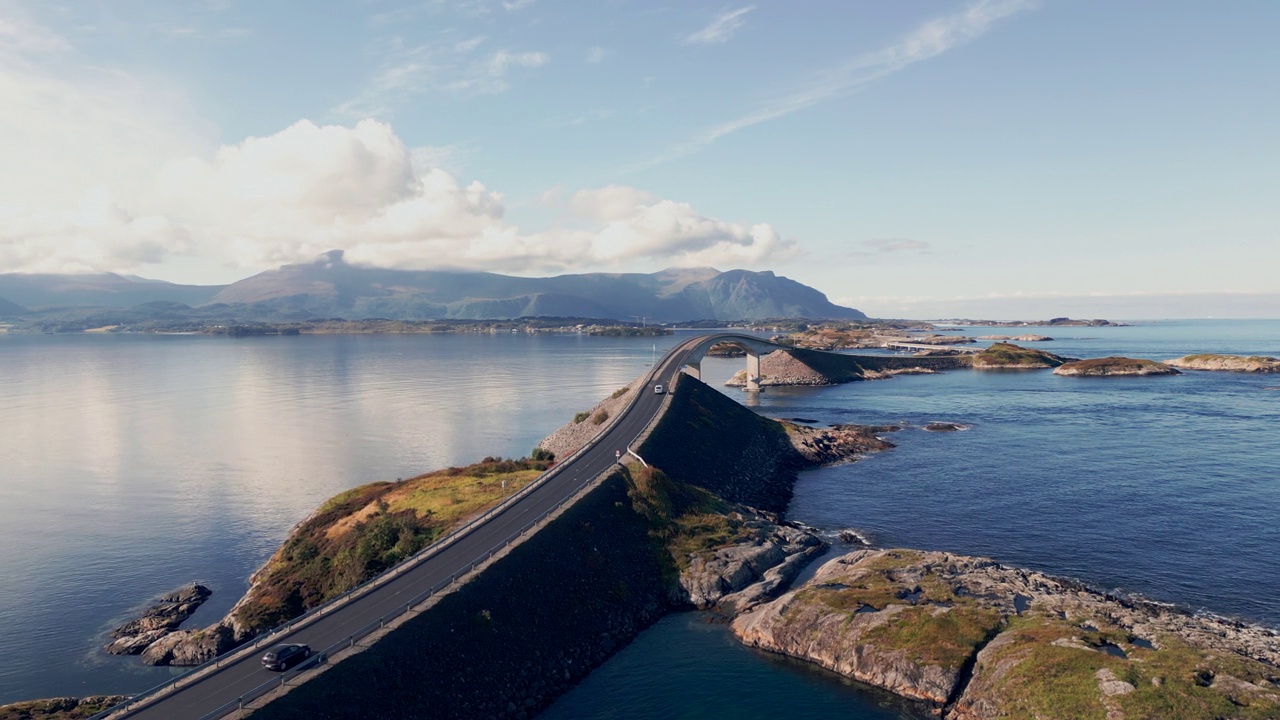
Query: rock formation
766, 560
1114, 366
1006, 356
1227, 363
62, 708
979, 640
136, 636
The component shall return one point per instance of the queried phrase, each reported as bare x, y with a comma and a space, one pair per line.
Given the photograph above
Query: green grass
1059, 683
362, 532
1003, 353
931, 635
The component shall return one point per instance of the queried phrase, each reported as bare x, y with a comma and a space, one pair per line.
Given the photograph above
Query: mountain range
329, 287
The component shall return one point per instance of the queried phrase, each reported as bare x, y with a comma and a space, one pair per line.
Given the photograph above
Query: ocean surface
130, 465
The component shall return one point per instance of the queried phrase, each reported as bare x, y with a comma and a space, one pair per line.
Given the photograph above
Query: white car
658, 390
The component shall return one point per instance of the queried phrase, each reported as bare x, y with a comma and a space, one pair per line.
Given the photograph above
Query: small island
1114, 367
1227, 363
1006, 356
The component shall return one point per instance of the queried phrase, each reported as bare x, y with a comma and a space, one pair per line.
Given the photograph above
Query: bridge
229, 683
930, 348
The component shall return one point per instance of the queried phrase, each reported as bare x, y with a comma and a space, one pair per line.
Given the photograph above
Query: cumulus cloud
308, 188
721, 28
105, 172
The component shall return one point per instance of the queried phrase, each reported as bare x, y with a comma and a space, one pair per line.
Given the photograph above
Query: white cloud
927, 41
721, 28
449, 66
596, 54
502, 60
513, 5
308, 188
105, 172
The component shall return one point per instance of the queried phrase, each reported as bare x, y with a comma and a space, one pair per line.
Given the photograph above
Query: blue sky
903, 157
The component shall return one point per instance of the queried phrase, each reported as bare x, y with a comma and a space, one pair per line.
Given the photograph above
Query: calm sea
133, 464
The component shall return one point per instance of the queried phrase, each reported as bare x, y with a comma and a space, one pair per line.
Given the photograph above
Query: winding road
242, 672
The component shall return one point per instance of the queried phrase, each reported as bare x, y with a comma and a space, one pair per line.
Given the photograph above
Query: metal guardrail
350, 641
425, 554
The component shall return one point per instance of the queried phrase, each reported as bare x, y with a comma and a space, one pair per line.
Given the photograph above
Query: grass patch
362, 532
1175, 682
684, 519
933, 635
1008, 354
619, 392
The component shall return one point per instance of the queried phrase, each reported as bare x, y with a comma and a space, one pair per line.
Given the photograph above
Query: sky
910, 159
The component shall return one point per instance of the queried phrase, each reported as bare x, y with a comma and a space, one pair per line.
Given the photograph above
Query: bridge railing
322, 657
125, 708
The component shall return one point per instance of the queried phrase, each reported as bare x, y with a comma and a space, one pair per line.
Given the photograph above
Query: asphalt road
237, 678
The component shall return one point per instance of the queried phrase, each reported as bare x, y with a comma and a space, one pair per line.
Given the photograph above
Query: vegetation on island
1111, 366
1228, 363
682, 518
1008, 355
1057, 652
360, 533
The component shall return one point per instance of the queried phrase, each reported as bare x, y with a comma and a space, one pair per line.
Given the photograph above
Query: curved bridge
229, 683
754, 347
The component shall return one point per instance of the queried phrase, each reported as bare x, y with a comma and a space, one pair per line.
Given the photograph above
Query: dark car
283, 657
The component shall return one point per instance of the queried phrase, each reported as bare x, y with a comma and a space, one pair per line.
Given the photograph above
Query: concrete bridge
930, 348
753, 346
229, 684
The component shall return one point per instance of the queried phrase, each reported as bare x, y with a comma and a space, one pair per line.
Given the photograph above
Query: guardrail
240, 653
350, 641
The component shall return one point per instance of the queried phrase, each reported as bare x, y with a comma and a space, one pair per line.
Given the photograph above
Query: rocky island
1006, 356
1114, 366
1227, 363
977, 640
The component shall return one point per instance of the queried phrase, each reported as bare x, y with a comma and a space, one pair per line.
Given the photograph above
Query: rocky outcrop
135, 636
752, 570
1227, 363
1113, 367
1006, 356
838, 443
586, 425
191, 647
980, 640
784, 368
62, 708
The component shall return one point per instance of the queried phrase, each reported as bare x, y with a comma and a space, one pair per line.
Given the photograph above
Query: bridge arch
754, 347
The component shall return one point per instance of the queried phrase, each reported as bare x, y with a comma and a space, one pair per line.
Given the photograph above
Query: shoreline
1131, 596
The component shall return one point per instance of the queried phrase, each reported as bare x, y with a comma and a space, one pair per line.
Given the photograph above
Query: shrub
600, 417
580, 417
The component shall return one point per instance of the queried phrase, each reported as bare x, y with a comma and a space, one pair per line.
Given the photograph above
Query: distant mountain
10, 309
97, 290
330, 287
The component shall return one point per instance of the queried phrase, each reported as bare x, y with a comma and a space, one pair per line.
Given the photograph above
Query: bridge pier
693, 369
753, 371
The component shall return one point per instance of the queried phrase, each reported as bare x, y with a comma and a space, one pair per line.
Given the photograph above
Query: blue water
1164, 486
132, 464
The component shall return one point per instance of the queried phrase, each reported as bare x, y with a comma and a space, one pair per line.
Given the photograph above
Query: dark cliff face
712, 442
514, 638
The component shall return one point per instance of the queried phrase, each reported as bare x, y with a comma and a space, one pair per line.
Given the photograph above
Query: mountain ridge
329, 287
